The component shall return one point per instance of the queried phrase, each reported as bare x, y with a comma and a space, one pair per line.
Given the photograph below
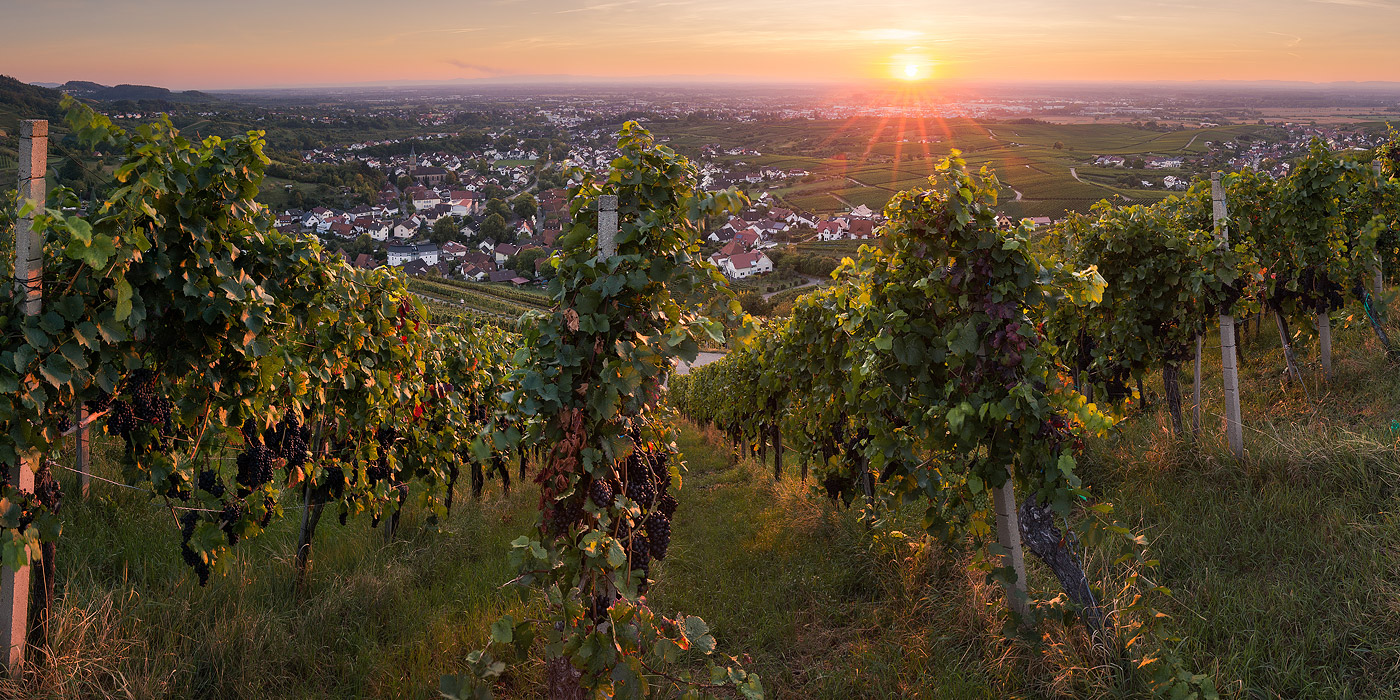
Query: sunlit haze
260, 43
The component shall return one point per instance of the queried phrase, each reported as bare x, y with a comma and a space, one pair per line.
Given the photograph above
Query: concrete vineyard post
1234, 431
29, 274
607, 226
1009, 536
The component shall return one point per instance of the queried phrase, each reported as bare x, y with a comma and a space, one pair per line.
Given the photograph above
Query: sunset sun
911, 71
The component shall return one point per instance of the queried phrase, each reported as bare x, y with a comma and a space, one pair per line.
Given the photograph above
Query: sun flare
911, 71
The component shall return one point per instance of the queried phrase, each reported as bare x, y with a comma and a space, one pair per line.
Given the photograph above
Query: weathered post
1234, 432
1009, 537
607, 226
29, 274
81, 460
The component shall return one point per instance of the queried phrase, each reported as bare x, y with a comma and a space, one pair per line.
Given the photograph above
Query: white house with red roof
747, 265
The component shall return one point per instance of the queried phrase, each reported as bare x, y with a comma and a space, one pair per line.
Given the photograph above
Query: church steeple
412, 158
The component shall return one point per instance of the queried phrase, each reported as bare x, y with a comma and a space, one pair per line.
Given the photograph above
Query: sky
209, 44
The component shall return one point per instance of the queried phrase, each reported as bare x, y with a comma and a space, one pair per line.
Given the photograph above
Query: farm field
823, 608
865, 161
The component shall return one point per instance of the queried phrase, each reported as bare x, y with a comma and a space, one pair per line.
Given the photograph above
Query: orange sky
186, 44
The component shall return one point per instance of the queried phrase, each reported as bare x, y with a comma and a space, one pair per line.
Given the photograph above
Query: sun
911, 66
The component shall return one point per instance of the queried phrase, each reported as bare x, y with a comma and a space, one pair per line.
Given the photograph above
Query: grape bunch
601, 492
648, 484
121, 420
188, 521
147, 404
210, 483
288, 440
254, 468
233, 511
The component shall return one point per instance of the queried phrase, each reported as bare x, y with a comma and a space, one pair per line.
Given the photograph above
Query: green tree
525, 206
524, 261
446, 229
405, 182
498, 207
493, 228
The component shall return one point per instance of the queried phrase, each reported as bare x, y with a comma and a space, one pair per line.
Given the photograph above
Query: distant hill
19, 100
98, 91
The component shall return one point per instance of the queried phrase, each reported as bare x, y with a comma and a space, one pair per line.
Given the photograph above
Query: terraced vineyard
477, 299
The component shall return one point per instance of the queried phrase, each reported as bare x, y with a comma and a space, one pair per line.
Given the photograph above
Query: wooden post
81, 460
29, 274
1196, 391
777, 453
1234, 431
1009, 536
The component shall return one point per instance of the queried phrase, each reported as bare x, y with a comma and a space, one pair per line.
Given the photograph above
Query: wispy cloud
477, 67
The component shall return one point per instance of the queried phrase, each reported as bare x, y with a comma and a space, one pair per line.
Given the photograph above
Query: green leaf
503, 630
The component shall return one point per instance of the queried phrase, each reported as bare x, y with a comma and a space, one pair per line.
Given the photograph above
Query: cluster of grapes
648, 479
121, 420
142, 404
188, 521
289, 440
379, 471
146, 404
233, 511
254, 462
211, 483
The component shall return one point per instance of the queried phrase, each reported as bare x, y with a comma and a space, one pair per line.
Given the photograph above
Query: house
414, 268
504, 275
723, 235
377, 230
861, 229
747, 265
475, 272
729, 250
748, 238
343, 230
422, 197
365, 261
831, 230
503, 252
406, 228
465, 202
550, 232
453, 250
403, 254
